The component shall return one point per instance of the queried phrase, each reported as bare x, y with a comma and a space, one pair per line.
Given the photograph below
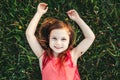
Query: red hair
47, 26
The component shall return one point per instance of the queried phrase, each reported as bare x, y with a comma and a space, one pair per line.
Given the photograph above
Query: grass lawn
100, 62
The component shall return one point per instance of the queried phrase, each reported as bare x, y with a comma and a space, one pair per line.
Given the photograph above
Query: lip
57, 47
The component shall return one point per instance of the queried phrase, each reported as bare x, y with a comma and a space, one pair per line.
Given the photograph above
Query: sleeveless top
68, 72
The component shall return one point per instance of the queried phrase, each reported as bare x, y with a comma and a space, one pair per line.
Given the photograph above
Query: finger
71, 13
46, 8
43, 5
70, 10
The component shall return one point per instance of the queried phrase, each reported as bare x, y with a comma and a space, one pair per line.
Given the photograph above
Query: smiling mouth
57, 47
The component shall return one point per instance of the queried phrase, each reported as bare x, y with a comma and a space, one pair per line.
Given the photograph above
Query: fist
42, 8
73, 14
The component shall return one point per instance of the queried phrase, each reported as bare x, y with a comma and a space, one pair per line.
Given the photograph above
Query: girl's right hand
42, 8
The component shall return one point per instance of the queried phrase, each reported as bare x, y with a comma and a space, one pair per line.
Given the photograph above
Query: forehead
59, 32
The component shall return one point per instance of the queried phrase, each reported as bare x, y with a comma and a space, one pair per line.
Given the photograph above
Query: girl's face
59, 40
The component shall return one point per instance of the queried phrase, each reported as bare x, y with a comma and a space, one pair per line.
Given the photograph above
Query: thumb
46, 9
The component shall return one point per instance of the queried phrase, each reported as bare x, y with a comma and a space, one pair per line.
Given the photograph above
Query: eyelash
54, 38
61, 39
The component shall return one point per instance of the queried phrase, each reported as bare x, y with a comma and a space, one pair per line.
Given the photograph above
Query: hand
73, 15
42, 8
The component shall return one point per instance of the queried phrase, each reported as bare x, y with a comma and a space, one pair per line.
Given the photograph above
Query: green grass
100, 62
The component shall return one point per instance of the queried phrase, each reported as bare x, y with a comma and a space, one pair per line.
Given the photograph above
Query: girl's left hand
73, 15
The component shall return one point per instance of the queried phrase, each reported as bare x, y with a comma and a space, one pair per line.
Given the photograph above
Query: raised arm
83, 46
30, 32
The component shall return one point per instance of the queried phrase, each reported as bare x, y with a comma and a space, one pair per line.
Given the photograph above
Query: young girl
54, 46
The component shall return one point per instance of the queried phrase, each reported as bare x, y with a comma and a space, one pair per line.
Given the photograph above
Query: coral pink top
68, 72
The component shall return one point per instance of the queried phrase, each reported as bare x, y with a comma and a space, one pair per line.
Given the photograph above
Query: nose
58, 42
